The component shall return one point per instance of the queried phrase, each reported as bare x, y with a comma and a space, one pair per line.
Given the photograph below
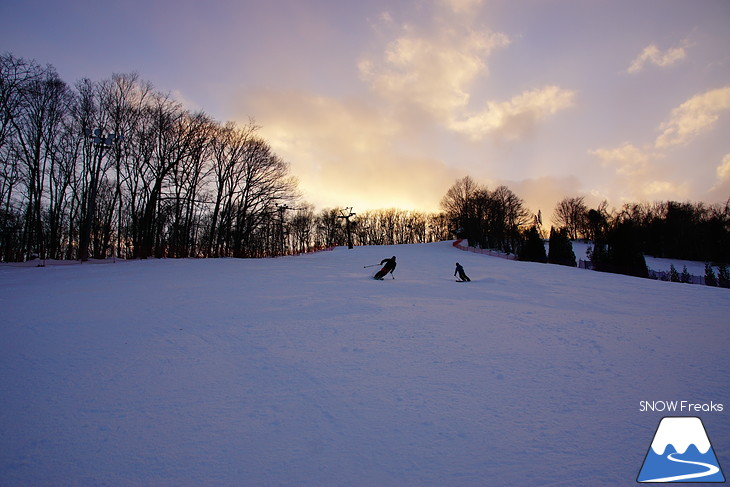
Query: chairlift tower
347, 217
282, 209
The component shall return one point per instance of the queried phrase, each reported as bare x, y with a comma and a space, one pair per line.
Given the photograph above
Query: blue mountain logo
681, 452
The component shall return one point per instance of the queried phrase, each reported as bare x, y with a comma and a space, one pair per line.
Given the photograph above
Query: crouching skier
388, 267
462, 274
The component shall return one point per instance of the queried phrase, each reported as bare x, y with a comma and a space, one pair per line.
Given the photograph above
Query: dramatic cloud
660, 190
421, 80
697, 114
383, 103
637, 172
462, 6
433, 73
515, 117
723, 170
436, 72
652, 55
345, 152
720, 191
627, 160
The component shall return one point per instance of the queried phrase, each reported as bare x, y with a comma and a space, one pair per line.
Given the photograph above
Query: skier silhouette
388, 267
462, 274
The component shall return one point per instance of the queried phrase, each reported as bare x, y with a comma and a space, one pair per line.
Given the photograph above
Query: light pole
101, 142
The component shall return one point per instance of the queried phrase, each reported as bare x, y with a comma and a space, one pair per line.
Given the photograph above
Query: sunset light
381, 104
387, 243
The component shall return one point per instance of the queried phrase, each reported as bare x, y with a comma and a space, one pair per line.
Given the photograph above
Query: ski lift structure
346, 214
102, 141
281, 209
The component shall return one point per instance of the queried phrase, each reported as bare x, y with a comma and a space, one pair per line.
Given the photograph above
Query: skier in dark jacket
388, 267
462, 274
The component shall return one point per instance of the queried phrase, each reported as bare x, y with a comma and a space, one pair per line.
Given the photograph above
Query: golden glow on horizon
424, 115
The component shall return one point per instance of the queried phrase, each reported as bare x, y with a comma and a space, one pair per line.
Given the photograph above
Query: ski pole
366, 266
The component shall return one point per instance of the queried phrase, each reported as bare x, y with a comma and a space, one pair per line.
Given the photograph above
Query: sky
386, 103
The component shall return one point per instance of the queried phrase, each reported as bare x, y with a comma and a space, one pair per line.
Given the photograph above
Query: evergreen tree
686, 277
561, 249
673, 274
710, 279
533, 247
723, 276
622, 253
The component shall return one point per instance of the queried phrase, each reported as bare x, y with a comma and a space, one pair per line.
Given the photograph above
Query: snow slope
653, 263
303, 371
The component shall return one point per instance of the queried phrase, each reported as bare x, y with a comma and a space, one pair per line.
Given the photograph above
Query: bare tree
16, 75
459, 199
511, 210
186, 182
329, 228
62, 191
302, 226
265, 182
228, 146
43, 101
177, 137
571, 214
124, 98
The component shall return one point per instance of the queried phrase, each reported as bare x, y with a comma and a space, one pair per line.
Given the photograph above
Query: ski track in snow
304, 371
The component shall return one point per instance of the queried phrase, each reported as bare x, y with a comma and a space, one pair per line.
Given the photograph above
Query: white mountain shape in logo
680, 432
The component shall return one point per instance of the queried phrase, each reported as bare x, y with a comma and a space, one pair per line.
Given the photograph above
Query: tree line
498, 219
667, 229
116, 167
306, 230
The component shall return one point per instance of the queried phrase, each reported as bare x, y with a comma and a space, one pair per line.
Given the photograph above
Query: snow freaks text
679, 407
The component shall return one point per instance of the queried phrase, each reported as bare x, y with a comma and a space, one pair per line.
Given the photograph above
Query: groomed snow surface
304, 371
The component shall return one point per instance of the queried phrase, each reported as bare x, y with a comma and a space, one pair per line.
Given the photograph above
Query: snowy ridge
680, 432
